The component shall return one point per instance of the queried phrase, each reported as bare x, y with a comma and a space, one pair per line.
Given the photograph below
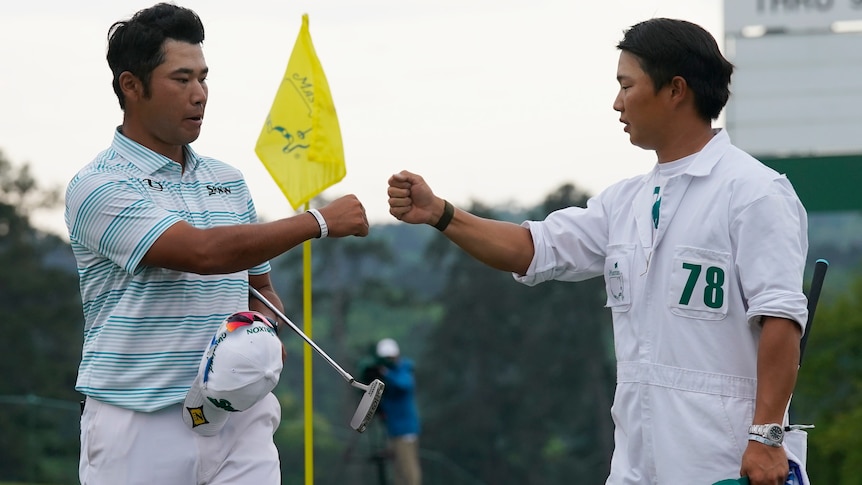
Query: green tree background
42, 327
515, 383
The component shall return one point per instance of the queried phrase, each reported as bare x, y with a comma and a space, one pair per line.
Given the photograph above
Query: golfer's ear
131, 86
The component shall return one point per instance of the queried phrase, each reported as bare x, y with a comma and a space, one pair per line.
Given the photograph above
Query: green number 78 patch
698, 285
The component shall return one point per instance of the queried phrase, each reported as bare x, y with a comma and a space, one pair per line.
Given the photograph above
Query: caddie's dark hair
136, 45
670, 47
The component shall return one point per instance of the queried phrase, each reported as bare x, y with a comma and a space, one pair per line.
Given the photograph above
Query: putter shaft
359, 385
310, 342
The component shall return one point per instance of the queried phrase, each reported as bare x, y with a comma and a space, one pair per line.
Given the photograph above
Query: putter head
367, 406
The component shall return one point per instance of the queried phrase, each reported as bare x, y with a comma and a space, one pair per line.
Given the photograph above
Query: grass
19, 483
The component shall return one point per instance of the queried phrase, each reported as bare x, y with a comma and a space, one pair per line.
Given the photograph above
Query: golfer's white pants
120, 446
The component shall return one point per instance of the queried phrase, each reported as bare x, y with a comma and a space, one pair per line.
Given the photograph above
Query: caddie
702, 256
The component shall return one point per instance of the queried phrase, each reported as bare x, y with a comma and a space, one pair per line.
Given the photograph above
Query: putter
820, 268
370, 399
817, 279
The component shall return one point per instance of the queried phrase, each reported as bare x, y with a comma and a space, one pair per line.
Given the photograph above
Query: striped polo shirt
146, 328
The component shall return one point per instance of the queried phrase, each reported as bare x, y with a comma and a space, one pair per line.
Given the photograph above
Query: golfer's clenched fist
345, 216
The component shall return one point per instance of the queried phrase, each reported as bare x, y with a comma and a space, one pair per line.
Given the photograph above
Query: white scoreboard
789, 14
797, 86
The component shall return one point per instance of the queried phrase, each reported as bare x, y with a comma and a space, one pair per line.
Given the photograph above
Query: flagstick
303, 107
306, 361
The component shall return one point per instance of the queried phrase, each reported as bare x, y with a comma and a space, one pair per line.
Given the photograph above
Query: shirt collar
147, 160
710, 154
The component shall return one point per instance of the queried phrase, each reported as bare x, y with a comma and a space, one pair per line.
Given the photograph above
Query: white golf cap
387, 348
239, 368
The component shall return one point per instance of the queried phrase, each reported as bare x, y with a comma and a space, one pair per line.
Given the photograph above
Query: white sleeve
770, 241
569, 245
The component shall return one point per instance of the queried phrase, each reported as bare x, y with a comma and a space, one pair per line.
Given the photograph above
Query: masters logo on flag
300, 143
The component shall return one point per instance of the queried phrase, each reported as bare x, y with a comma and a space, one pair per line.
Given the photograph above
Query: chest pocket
699, 282
618, 276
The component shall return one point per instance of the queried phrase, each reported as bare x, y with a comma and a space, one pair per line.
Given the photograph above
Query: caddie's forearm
777, 365
502, 245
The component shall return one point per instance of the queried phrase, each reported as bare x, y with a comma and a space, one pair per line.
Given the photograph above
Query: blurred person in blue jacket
399, 412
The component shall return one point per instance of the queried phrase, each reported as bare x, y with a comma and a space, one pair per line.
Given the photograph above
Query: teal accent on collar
147, 160
656, 207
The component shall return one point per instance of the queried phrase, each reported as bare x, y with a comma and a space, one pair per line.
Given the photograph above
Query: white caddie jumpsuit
730, 248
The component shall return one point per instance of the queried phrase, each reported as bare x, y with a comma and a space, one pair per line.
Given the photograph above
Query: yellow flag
300, 143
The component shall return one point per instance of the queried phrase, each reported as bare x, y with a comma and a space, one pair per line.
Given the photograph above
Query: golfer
167, 243
702, 257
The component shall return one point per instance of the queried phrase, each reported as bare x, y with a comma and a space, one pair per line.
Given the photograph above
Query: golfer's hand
764, 465
345, 216
411, 200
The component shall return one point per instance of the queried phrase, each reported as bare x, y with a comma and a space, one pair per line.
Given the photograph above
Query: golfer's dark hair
670, 47
136, 45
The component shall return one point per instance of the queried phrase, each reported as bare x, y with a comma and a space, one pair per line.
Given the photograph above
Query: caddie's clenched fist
411, 199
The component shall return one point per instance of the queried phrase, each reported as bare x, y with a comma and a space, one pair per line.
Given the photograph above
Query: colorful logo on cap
235, 321
240, 319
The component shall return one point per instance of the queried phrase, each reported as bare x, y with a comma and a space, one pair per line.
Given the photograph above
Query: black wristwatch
274, 324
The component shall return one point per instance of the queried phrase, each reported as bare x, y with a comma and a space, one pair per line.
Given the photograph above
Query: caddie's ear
678, 87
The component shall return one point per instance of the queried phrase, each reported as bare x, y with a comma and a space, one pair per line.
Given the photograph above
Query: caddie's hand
764, 464
411, 200
345, 216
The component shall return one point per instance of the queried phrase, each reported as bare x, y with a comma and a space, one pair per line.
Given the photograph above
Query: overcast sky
499, 101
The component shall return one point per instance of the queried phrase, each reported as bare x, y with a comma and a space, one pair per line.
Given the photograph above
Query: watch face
775, 433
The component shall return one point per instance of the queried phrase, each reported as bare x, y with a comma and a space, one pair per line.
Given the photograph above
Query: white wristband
324, 229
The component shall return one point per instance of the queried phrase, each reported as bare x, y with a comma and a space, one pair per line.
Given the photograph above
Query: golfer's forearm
228, 249
262, 284
236, 248
499, 244
777, 364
